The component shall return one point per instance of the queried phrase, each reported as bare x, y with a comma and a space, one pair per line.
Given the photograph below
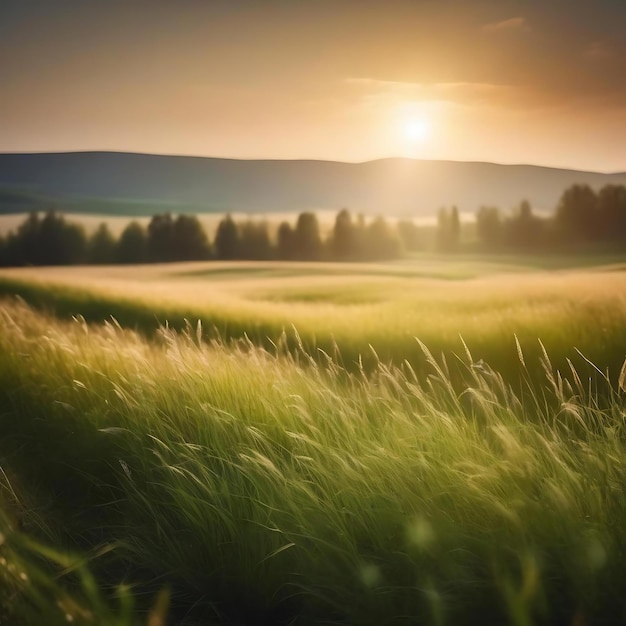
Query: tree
255, 241
60, 243
524, 229
308, 243
160, 238
23, 247
382, 243
455, 229
489, 227
46, 241
132, 244
409, 235
101, 246
343, 241
448, 229
360, 237
576, 214
612, 213
285, 244
227, 239
4, 252
188, 240
442, 228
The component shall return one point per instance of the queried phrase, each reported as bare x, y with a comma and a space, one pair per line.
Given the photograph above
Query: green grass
264, 488
369, 312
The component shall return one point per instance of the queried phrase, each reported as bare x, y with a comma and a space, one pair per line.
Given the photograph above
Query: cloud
455, 93
597, 51
512, 24
511, 97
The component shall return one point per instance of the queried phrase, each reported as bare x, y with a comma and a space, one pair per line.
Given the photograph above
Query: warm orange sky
509, 81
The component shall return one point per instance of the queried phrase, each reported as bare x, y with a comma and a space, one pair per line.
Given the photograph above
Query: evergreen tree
382, 243
489, 228
285, 245
4, 252
227, 239
343, 241
132, 244
161, 238
308, 243
454, 226
101, 246
255, 241
60, 243
24, 245
409, 235
189, 241
576, 214
523, 230
612, 213
448, 229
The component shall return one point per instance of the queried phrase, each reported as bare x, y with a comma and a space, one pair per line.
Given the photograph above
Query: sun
416, 130
415, 127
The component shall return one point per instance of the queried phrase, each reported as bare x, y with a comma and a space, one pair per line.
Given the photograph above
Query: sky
506, 81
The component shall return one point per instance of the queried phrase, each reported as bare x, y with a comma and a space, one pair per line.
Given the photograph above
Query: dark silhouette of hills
143, 184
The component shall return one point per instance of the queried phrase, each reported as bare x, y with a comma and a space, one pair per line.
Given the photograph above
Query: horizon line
311, 160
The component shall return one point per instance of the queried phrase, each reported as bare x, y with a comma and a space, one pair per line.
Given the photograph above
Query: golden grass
349, 296
386, 306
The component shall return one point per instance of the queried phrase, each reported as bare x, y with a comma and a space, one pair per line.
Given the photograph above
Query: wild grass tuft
266, 487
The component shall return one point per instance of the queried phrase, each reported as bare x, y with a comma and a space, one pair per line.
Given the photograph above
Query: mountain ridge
306, 160
133, 183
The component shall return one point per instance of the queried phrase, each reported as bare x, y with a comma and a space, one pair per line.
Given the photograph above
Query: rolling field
362, 313
299, 457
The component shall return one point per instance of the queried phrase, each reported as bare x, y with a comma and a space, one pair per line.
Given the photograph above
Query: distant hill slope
141, 184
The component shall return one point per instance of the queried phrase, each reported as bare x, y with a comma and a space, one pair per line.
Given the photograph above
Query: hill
110, 183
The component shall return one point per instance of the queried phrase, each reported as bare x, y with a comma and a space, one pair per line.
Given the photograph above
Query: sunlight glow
417, 130
416, 124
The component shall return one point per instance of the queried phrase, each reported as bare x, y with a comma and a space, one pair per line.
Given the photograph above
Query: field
367, 312
434, 441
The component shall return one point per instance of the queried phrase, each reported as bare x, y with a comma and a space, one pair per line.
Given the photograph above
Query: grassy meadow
363, 313
433, 441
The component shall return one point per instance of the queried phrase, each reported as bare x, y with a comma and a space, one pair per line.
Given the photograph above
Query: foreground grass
267, 489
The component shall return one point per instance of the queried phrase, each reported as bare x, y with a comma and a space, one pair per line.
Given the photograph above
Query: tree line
52, 240
583, 218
